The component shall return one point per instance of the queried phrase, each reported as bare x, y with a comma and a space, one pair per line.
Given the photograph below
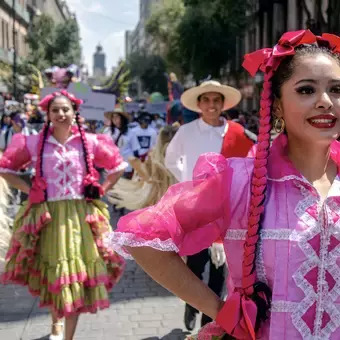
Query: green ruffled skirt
58, 251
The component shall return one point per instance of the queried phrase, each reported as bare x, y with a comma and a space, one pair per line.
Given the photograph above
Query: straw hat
108, 115
231, 95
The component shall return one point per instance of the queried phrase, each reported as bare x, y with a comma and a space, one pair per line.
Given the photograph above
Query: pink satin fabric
298, 254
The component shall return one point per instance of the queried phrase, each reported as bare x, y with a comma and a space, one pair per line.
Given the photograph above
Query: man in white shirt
144, 137
206, 134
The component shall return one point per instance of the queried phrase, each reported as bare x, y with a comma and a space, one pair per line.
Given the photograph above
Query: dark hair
2, 121
90, 191
273, 81
286, 68
200, 97
124, 125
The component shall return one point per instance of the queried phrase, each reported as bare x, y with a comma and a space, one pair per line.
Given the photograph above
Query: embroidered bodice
299, 250
63, 164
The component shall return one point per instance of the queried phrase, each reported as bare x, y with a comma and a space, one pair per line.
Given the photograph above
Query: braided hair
273, 81
90, 191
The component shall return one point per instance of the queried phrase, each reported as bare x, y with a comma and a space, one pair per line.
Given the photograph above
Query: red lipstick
324, 121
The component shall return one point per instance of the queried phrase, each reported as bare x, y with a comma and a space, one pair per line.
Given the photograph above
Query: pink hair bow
37, 192
46, 100
238, 316
92, 180
332, 40
269, 58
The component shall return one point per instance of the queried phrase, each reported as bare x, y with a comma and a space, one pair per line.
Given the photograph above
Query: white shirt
191, 141
158, 124
124, 143
143, 140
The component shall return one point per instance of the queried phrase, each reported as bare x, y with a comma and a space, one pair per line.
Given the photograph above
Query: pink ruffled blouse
63, 164
299, 250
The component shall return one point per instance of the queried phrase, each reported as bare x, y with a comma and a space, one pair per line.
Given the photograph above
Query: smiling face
310, 100
211, 104
117, 120
61, 113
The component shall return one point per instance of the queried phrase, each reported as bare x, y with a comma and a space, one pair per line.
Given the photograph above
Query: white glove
217, 254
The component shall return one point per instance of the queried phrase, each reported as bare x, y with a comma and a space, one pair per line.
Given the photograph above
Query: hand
217, 254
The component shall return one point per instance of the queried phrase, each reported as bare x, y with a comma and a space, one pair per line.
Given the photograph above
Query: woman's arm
111, 180
169, 270
16, 182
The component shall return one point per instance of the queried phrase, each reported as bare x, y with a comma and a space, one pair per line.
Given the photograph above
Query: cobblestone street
140, 309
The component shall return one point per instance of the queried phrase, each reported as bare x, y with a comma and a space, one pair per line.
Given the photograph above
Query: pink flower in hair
46, 100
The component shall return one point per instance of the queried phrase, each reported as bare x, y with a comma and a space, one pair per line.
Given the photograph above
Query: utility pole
14, 52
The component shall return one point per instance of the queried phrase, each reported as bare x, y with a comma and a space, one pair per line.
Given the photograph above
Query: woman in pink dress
57, 248
278, 212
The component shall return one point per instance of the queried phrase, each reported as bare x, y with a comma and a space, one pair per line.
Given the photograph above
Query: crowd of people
218, 190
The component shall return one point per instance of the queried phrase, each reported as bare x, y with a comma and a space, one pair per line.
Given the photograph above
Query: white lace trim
9, 171
259, 262
289, 178
65, 198
118, 241
120, 167
324, 262
266, 234
65, 170
282, 306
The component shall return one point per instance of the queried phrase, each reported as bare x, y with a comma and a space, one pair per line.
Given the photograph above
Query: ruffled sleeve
107, 156
189, 217
16, 155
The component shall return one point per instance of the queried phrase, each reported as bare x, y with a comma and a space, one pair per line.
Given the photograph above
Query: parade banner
154, 108
95, 104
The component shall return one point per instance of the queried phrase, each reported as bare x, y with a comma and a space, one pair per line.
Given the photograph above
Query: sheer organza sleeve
189, 217
16, 155
107, 156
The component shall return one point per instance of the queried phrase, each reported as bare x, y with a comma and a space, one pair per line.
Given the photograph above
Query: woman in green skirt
57, 248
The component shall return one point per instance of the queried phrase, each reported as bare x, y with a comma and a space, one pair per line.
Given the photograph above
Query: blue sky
104, 21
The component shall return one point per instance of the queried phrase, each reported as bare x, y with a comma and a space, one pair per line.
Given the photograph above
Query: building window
6, 44
17, 42
2, 33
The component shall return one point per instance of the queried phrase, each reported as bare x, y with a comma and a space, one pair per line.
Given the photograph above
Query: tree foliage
199, 35
207, 35
53, 44
49, 44
150, 70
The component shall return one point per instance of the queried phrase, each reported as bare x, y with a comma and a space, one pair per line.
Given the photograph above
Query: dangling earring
279, 125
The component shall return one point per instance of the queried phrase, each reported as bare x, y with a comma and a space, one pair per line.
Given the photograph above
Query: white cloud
96, 7
114, 47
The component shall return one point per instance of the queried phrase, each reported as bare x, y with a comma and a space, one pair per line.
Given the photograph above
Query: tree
163, 23
162, 26
66, 47
199, 36
40, 40
49, 45
207, 35
150, 70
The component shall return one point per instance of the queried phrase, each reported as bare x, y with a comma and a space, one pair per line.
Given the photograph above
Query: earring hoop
279, 125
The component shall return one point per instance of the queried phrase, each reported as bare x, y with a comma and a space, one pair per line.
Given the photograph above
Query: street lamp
14, 52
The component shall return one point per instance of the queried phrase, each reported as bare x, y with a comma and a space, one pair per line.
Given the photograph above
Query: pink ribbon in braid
39, 185
247, 307
92, 178
46, 100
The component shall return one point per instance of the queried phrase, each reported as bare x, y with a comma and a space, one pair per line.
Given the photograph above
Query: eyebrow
314, 81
